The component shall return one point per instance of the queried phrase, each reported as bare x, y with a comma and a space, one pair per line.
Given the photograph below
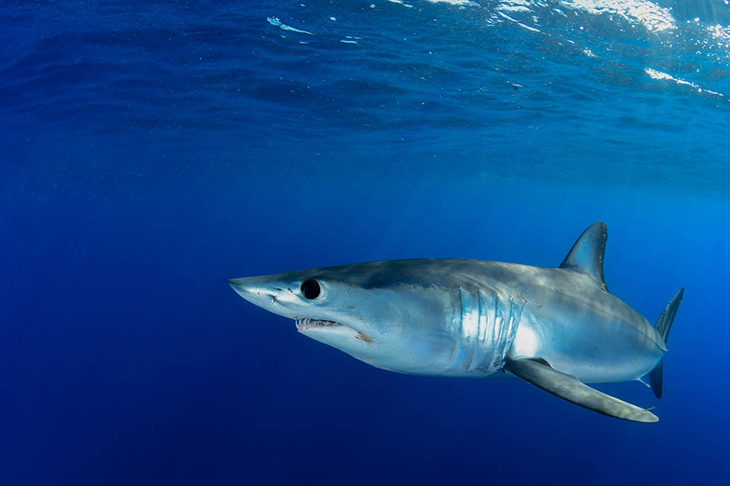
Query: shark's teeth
308, 323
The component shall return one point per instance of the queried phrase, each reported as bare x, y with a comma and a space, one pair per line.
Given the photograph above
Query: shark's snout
253, 290
268, 293
238, 284
243, 287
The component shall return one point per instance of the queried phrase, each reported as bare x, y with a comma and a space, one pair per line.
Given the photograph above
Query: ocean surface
151, 150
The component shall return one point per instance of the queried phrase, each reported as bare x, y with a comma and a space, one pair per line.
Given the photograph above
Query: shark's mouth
307, 323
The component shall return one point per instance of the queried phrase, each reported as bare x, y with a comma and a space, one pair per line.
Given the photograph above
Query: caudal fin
663, 326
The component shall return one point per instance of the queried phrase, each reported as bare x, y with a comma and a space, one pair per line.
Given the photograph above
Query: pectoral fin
569, 388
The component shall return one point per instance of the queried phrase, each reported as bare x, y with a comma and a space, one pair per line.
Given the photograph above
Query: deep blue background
152, 150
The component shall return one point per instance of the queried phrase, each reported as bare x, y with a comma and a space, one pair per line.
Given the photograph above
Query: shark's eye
310, 289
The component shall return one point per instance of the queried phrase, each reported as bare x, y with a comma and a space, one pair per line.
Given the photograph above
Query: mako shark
556, 328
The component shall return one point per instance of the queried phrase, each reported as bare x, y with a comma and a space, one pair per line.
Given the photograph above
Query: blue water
150, 150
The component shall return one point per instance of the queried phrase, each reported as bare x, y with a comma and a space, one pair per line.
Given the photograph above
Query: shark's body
558, 328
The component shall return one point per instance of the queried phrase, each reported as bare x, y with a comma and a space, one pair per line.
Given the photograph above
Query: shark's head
387, 314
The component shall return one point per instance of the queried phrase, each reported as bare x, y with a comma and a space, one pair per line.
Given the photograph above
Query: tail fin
663, 326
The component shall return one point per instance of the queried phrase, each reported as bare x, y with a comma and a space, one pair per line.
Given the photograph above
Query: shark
559, 329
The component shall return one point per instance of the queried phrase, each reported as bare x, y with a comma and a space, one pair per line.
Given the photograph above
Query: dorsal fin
587, 254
